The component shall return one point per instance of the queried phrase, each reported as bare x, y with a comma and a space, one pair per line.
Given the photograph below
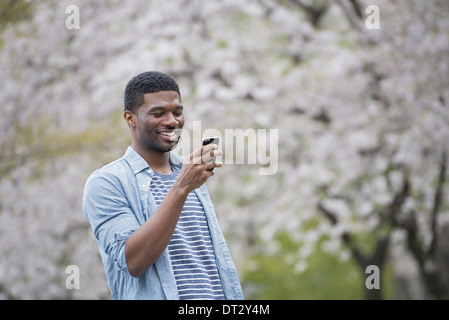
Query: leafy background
362, 117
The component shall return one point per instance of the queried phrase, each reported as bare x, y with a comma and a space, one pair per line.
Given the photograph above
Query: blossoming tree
362, 117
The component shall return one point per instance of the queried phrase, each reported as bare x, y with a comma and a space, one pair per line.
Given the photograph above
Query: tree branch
357, 8
315, 13
399, 198
347, 238
437, 202
354, 15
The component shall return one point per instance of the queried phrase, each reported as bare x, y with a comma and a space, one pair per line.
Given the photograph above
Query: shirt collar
138, 163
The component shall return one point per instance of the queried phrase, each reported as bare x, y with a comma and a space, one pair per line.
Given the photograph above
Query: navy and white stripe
190, 248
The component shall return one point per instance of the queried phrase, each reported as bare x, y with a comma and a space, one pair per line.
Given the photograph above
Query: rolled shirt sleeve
107, 209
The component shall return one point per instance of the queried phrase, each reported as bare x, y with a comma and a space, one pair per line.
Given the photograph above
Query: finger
216, 153
196, 156
211, 155
208, 148
202, 150
211, 166
208, 158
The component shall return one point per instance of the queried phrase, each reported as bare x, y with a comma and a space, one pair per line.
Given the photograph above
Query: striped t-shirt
190, 248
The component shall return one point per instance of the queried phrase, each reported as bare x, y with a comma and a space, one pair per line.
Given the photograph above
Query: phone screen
209, 140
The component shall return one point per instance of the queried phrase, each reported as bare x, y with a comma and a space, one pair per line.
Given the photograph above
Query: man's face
157, 121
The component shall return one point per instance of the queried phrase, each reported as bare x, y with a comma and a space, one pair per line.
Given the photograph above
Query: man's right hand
197, 168
148, 242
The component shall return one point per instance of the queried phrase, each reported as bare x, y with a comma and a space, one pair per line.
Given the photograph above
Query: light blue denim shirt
116, 202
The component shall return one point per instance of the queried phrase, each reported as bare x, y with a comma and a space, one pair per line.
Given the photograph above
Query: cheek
181, 121
145, 128
147, 123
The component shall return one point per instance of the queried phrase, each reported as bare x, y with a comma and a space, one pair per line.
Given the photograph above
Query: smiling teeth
168, 134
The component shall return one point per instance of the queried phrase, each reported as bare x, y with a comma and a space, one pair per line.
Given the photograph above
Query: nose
170, 121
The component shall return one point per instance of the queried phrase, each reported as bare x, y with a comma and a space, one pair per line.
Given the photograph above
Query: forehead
161, 98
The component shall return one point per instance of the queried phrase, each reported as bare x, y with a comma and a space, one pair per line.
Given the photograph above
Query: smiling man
150, 210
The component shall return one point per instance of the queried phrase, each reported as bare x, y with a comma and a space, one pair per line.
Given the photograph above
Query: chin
164, 147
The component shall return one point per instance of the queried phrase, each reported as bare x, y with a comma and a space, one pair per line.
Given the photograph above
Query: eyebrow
160, 108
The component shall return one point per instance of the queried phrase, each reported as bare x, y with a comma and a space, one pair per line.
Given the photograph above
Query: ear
130, 118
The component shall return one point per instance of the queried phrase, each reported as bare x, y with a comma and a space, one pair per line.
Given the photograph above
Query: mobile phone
209, 140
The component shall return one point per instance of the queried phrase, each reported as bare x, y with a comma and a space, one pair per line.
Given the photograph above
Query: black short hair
147, 82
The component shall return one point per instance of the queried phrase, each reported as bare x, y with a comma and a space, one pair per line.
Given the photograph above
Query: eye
158, 114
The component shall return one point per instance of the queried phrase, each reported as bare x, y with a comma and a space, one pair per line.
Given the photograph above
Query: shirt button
144, 185
149, 170
135, 171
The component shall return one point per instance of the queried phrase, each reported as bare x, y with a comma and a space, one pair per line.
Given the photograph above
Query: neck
158, 161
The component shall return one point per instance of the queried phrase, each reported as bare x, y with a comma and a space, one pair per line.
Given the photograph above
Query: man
150, 210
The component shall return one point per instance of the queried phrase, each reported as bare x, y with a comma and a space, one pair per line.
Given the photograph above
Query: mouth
169, 135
